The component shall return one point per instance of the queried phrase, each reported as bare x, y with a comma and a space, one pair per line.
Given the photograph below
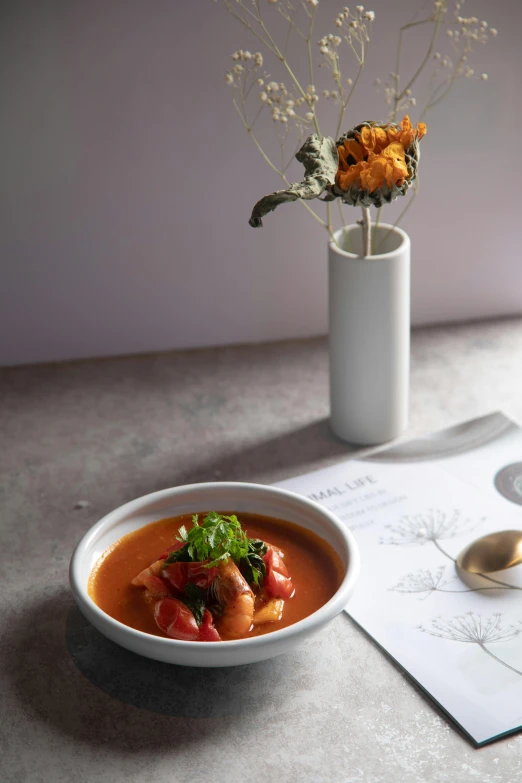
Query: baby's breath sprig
464, 33
354, 29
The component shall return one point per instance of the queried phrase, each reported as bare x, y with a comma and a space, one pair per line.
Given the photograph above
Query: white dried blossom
484, 77
229, 79
370, 15
309, 115
238, 69
272, 87
436, 56
313, 3
377, 82
326, 93
258, 58
493, 32
247, 55
259, 82
263, 96
334, 94
349, 81
354, 25
290, 112
338, 22
283, 119
324, 50
329, 37
235, 56
337, 40
359, 8
484, 25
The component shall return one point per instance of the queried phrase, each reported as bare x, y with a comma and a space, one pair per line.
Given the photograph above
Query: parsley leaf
252, 564
217, 538
194, 599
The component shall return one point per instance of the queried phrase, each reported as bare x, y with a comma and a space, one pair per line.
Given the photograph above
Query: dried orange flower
377, 162
371, 164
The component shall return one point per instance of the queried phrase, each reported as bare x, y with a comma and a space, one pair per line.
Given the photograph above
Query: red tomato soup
310, 566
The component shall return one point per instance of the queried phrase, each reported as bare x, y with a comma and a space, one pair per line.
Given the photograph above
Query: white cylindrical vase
369, 322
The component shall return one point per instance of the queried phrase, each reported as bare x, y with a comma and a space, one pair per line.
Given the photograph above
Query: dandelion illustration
470, 628
427, 582
422, 581
433, 525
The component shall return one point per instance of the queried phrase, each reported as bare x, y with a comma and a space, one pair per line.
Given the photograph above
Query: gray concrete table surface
75, 707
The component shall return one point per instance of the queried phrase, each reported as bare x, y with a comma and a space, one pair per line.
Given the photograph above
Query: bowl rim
318, 618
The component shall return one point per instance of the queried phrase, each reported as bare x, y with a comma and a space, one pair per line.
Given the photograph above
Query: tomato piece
274, 560
207, 631
176, 620
277, 585
179, 574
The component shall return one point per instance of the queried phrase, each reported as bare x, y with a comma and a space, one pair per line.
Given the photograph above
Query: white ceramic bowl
254, 498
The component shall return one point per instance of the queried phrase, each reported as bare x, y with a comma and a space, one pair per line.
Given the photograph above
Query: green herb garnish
252, 564
194, 599
217, 538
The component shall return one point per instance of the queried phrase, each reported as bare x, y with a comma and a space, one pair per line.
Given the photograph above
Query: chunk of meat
236, 598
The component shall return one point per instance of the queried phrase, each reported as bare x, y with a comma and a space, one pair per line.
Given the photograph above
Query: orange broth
313, 565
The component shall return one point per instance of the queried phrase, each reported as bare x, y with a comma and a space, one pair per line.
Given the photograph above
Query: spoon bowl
494, 552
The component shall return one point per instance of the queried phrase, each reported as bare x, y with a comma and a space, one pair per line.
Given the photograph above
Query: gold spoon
494, 552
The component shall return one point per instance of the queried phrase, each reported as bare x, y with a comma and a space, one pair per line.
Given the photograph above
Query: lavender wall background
127, 182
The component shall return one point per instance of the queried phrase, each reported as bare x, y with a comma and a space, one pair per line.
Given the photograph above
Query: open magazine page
412, 509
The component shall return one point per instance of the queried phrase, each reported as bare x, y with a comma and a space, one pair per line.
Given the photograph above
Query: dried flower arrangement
374, 162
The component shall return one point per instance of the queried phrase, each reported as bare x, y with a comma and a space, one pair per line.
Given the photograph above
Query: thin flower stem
378, 218
309, 48
341, 213
432, 100
289, 32
345, 103
437, 20
247, 25
482, 647
272, 166
367, 231
404, 211
398, 59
